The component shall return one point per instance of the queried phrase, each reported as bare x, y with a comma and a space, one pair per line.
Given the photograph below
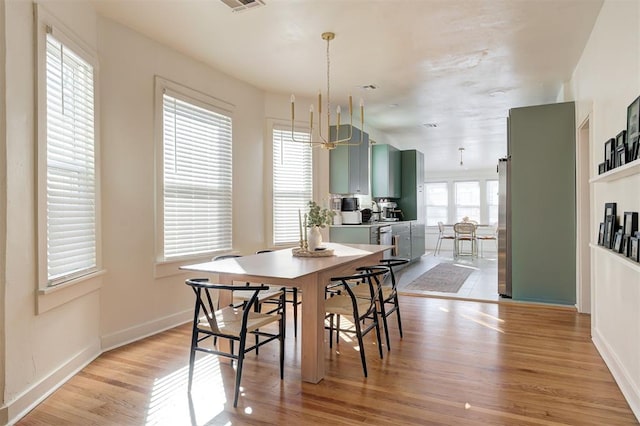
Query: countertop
371, 225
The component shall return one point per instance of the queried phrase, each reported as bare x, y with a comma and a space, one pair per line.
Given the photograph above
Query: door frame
584, 294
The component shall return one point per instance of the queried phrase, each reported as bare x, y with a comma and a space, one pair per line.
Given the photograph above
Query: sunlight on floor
170, 401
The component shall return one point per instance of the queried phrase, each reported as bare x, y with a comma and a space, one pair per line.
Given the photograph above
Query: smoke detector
242, 5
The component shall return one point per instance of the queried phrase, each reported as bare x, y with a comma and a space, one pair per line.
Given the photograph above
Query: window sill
52, 297
168, 268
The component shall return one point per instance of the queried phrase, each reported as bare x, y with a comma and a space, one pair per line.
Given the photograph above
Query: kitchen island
408, 237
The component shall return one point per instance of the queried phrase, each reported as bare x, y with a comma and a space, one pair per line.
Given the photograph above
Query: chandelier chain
328, 82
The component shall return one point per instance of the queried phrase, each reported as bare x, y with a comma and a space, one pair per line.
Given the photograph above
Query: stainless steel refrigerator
504, 227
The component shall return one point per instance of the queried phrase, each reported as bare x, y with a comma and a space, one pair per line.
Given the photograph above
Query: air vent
241, 5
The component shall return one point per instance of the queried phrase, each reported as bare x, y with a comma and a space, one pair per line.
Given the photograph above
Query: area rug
444, 277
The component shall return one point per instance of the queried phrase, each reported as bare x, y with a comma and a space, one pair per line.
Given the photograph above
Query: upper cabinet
412, 185
385, 172
349, 164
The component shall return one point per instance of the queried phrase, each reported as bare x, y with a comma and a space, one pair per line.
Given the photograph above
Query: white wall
40, 350
606, 80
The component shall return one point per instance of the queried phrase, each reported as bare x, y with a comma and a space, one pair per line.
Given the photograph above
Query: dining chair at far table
493, 236
443, 235
343, 302
295, 300
232, 323
464, 232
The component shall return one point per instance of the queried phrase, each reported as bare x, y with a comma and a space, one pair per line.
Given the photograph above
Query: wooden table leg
312, 349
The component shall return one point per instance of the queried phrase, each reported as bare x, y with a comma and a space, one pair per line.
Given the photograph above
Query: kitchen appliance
351, 218
349, 204
390, 211
504, 227
385, 238
366, 215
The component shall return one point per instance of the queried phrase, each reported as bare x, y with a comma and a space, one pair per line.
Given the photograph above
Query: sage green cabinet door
385, 171
412, 199
350, 235
417, 240
349, 164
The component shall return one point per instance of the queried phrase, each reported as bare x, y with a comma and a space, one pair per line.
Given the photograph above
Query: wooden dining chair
233, 323
362, 310
294, 300
388, 296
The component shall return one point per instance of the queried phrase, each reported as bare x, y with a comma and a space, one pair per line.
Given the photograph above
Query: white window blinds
292, 183
71, 180
197, 178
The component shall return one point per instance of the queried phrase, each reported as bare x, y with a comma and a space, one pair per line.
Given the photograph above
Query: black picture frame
633, 249
601, 234
630, 223
609, 230
617, 242
635, 148
633, 117
602, 168
621, 138
609, 153
621, 156
610, 209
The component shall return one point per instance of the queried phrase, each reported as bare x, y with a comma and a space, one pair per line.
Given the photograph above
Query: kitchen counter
369, 225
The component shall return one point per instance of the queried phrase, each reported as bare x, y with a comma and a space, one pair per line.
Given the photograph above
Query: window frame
50, 295
426, 205
457, 216
280, 127
166, 266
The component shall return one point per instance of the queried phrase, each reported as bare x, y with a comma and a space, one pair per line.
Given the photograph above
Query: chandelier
325, 134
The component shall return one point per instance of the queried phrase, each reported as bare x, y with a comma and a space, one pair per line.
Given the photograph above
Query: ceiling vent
241, 5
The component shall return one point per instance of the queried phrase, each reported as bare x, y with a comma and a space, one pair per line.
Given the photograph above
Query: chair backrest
464, 228
226, 256
206, 298
441, 227
390, 263
370, 276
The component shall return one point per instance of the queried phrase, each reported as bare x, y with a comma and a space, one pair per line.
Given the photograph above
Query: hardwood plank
460, 362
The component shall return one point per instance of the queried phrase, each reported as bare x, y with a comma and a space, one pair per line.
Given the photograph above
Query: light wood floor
460, 363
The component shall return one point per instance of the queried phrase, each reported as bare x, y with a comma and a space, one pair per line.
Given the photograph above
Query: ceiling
458, 65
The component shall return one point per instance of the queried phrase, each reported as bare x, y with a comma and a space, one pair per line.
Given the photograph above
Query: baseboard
140, 331
619, 372
39, 391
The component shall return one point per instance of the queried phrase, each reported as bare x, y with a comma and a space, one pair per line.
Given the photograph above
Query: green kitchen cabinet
385, 171
353, 234
412, 185
349, 164
417, 240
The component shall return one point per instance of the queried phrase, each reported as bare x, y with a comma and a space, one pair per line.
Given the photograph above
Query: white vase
314, 238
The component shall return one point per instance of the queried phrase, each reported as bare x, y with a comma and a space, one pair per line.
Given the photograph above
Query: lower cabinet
417, 240
353, 235
402, 239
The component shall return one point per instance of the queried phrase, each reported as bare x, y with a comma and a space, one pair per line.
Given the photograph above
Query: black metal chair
294, 300
388, 296
233, 323
363, 311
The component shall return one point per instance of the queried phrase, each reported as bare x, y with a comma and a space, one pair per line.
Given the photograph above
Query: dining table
309, 274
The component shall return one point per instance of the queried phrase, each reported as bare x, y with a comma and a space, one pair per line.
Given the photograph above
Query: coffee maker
390, 211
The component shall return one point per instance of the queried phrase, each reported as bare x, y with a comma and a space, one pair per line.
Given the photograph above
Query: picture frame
634, 152
609, 209
602, 168
609, 231
621, 156
630, 223
601, 234
609, 153
633, 117
621, 138
617, 242
626, 245
633, 249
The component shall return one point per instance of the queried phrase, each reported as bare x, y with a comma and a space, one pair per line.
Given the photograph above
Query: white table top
282, 264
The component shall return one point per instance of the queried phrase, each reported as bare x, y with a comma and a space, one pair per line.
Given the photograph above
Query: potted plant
317, 218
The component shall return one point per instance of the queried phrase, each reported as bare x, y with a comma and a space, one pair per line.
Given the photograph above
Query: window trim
282, 127
455, 196
169, 266
49, 297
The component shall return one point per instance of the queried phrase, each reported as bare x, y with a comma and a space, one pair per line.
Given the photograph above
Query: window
467, 200
67, 163
437, 199
492, 200
197, 175
292, 183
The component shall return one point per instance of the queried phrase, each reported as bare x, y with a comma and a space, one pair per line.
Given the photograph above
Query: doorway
583, 220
